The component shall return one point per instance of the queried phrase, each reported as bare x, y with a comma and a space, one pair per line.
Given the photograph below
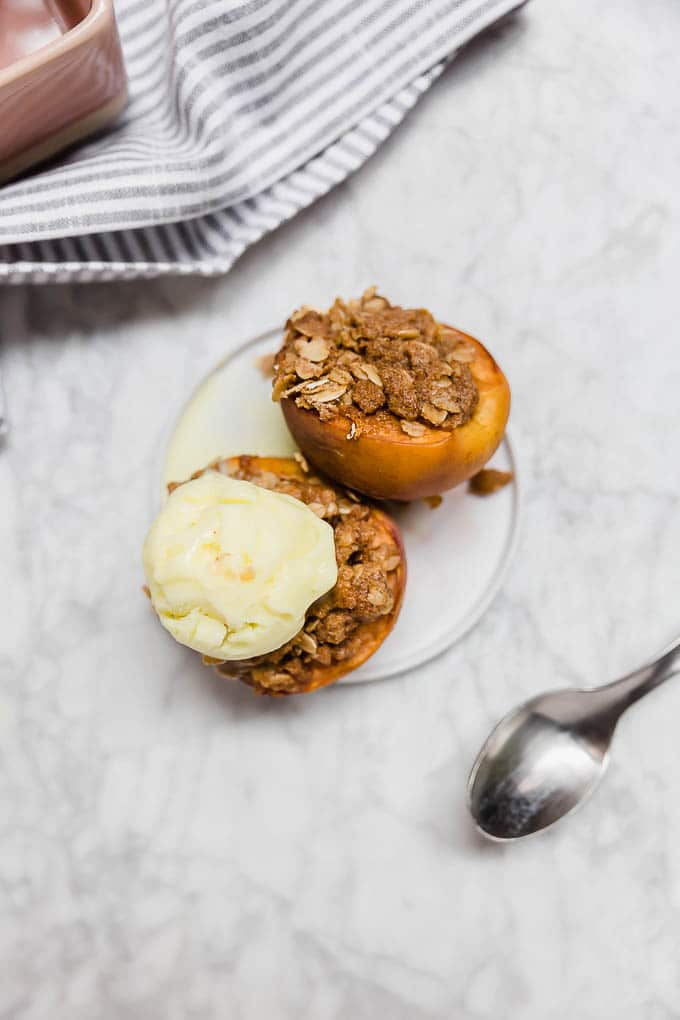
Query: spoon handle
645, 679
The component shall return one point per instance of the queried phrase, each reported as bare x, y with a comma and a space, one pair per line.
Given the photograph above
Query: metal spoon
545, 757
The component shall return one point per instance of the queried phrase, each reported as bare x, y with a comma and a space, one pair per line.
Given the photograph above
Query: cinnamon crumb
488, 481
433, 501
368, 358
265, 363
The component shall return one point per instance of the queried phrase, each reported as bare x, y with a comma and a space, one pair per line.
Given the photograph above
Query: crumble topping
434, 501
366, 589
489, 480
265, 365
367, 359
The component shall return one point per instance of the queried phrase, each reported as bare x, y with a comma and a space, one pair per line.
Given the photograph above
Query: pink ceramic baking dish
61, 77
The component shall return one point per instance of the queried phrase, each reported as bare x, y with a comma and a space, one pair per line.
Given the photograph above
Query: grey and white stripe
241, 114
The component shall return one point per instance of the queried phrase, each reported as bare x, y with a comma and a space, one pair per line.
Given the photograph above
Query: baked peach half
388, 401
348, 624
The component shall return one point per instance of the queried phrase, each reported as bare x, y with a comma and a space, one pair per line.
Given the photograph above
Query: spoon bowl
545, 757
536, 767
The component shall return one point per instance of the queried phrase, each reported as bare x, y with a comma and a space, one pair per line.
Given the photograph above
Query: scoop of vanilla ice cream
232, 568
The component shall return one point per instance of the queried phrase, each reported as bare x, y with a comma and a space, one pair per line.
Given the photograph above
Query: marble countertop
173, 847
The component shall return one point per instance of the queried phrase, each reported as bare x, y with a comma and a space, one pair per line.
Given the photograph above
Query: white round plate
457, 553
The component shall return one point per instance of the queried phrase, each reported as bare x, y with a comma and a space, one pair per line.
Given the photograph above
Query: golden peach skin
381, 461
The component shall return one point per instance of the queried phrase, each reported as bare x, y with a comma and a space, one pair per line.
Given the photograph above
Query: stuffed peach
348, 624
388, 401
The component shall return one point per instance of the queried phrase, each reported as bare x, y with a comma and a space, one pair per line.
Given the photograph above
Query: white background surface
174, 847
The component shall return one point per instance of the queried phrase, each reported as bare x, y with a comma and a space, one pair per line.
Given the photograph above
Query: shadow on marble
56, 312
504, 35
240, 702
471, 840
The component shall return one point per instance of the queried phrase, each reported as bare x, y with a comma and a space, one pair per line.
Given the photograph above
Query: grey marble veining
171, 847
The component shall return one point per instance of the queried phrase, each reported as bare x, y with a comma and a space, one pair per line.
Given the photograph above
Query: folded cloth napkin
240, 115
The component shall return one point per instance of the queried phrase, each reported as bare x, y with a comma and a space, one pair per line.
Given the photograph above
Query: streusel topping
367, 359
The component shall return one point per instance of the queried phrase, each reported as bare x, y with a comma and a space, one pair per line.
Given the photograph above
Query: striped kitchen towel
240, 115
